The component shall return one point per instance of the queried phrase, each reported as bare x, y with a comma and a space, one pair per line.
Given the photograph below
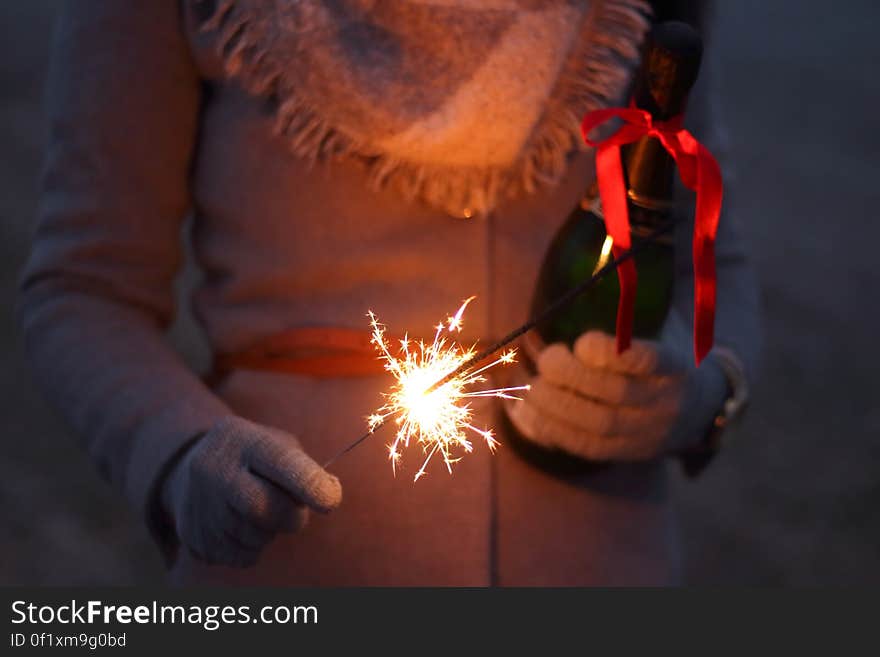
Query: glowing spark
454, 322
438, 419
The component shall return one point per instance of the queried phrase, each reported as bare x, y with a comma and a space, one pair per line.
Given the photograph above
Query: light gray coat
144, 126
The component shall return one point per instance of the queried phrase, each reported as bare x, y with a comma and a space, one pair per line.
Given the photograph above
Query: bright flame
438, 419
603, 255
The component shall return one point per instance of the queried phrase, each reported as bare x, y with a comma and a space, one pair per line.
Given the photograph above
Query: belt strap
319, 351
325, 351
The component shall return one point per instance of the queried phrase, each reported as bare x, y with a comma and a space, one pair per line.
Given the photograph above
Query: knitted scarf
457, 103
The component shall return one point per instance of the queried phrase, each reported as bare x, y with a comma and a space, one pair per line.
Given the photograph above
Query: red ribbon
698, 171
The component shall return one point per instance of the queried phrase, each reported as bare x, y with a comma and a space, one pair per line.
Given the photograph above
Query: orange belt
324, 351
320, 351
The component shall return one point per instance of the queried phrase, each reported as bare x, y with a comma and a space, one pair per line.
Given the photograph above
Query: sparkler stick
556, 305
376, 422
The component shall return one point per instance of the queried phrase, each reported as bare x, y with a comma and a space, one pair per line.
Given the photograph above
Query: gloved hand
238, 486
596, 404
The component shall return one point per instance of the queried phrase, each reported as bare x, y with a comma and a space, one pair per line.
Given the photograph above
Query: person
340, 156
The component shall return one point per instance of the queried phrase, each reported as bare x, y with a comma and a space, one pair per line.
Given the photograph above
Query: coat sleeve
96, 294
738, 308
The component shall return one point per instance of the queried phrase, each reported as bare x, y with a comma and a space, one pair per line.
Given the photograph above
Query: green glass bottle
670, 62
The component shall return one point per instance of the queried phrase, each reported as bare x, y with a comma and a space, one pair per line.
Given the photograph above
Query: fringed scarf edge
593, 77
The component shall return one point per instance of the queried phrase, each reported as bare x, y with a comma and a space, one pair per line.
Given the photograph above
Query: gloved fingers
246, 532
215, 546
643, 358
197, 548
279, 458
600, 419
552, 432
559, 366
266, 506
197, 525
229, 550
548, 431
528, 421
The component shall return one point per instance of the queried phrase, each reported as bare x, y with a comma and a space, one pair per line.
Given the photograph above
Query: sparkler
437, 417
428, 397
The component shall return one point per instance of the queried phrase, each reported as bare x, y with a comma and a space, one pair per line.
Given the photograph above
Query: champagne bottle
669, 67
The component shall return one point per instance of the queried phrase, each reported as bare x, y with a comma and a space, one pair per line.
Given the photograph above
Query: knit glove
638, 405
240, 485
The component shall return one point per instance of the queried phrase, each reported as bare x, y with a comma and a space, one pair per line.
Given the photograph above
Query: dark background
794, 500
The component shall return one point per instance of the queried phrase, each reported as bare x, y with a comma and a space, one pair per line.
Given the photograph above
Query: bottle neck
670, 62
643, 218
650, 174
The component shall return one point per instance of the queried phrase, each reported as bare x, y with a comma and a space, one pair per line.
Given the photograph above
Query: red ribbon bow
698, 171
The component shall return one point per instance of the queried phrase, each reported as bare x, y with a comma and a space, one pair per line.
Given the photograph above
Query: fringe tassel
594, 76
